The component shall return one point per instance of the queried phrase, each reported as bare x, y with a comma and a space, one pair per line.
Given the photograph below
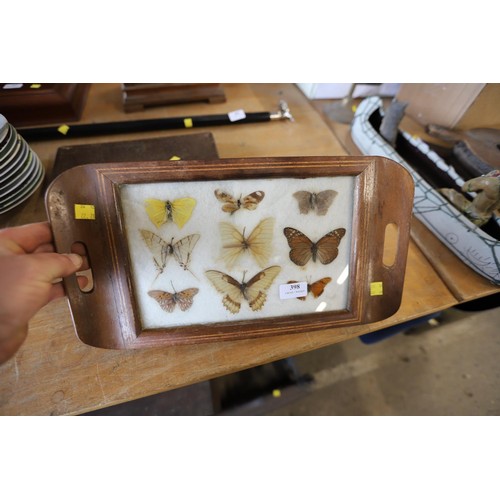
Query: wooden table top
54, 373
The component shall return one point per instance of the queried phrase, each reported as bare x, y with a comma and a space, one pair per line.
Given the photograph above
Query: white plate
10, 142
30, 169
32, 166
15, 164
3, 128
23, 195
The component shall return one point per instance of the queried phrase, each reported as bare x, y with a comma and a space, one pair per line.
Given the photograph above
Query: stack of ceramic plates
21, 171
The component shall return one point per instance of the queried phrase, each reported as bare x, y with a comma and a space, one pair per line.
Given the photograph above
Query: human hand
29, 268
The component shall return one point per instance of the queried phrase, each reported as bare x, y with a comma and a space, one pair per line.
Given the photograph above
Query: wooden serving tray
184, 252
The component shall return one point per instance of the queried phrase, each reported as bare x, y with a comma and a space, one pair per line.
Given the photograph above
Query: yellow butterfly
232, 204
234, 243
182, 250
318, 202
234, 292
168, 301
179, 211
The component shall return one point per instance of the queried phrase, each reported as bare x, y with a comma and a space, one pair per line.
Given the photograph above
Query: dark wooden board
200, 146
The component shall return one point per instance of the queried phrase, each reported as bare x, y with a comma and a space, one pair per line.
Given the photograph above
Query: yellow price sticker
35, 85
63, 129
188, 122
376, 288
85, 212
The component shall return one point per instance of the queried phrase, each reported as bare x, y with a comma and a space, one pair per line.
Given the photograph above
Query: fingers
45, 248
48, 267
58, 289
24, 239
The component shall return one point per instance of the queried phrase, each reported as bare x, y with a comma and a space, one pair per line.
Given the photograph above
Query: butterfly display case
197, 251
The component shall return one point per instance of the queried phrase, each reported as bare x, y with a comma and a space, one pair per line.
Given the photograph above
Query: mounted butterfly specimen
315, 289
182, 250
168, 301
258, 243
231, 204
178, 211
234, 292
316, 202
303, 249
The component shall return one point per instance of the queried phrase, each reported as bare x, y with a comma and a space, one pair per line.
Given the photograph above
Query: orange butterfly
168, 300
231, 204
315, 289
234, 292
303, 249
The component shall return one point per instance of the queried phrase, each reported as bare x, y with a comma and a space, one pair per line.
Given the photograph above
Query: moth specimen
303, 249
316, 202
234, 293
232, 204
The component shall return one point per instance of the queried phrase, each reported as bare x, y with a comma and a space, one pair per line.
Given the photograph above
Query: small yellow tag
35, 85
85, 212
276, 393
188, 122
174, 158
63, 129
376, 288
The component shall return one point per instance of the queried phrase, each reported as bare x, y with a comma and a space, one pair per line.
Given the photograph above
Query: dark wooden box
38, 104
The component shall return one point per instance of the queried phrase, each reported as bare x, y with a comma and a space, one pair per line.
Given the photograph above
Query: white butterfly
258, 243
182, 250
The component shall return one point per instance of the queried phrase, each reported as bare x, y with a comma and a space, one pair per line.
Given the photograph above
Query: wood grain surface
54, 373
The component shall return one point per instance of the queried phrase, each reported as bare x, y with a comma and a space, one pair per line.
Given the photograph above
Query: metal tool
124, 127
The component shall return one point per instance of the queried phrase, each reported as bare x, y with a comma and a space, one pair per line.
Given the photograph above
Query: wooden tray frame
108, 317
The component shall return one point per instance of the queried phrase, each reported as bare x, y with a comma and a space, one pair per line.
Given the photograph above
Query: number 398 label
293, 290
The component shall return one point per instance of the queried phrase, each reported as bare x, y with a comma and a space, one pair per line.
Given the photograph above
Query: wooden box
38, 104
138, 96
199, 251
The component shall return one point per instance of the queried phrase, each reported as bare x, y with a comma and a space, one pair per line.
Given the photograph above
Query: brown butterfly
318, 202
303, 249
234, 292
258, 243
315, 289
168, 300
231, 204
